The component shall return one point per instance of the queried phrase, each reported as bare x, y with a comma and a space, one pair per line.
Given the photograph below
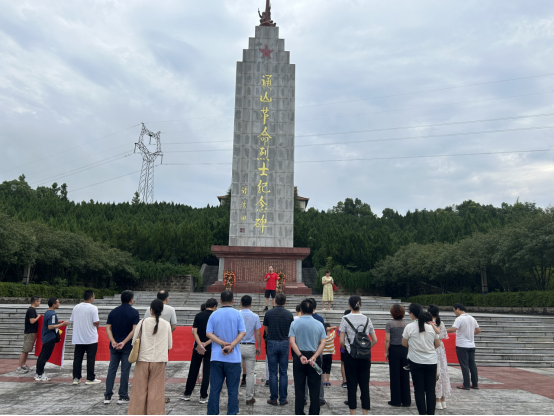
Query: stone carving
265, 17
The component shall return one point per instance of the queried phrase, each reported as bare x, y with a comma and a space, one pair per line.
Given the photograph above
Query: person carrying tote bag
154, 340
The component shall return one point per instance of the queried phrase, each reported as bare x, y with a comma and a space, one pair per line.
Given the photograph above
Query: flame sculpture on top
265, 17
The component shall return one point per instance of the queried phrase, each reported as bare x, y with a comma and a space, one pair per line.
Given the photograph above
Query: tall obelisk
262, 190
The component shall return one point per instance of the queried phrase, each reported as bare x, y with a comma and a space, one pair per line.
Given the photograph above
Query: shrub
46, 291
499, 299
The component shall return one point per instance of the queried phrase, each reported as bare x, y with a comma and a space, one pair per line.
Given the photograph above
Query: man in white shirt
168, 314
466, 327
85, 337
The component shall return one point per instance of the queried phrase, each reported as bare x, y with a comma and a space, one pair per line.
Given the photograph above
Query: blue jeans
278, 355
220, 371
115, 357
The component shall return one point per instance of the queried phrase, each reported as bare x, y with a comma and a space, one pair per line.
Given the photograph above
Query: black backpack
360, 347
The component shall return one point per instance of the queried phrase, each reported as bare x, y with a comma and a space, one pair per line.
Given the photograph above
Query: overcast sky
73, 72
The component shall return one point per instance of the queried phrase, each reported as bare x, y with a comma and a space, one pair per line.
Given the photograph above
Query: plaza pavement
503, 390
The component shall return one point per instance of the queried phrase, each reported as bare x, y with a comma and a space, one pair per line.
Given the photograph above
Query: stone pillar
221, 270
298, 271
262, 189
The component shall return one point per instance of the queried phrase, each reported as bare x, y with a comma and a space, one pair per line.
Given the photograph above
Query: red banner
58, 354
183, 342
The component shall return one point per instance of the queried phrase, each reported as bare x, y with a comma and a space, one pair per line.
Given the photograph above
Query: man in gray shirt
168, 313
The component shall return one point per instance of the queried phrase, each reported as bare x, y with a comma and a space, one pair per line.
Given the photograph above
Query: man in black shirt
31, 330
202, 352
277, 323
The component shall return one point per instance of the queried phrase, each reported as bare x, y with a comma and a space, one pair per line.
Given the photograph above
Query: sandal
167, 399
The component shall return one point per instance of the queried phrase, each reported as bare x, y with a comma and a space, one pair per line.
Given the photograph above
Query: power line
376, 112
376, 97
107, 180
378, 158
72, 148
374, 140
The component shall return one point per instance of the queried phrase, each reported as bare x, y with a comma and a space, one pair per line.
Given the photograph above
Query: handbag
133, 356
334, 287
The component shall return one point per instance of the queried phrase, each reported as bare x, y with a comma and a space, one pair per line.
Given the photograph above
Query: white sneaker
42, 378
123, 401
107, 401
185, 398
76, 381
438, 406
443, 404
25, 367
203, 400
22, 370
95, 381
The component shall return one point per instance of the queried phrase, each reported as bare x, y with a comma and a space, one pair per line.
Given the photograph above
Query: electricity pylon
146, 183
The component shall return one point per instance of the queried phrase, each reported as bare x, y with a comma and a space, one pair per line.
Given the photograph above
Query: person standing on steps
50, 327
270, 280
277, 325
307, 339
31, 330
327, 282
120, 329
466, 327
85, 337
201, 353
250, 347
168, 313
226, 329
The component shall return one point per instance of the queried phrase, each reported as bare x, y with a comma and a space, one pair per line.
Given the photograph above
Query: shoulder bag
133, 356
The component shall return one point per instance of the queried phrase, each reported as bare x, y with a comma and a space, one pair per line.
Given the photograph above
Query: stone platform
502, 391
292, 288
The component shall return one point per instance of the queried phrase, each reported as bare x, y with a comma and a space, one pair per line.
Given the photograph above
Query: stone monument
261, 230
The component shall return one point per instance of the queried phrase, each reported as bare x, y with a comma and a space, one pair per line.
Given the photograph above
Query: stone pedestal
250, 265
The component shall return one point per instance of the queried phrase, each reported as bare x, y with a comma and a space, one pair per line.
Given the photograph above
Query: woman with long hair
357, 369
148, 391
422, 340
397, 356
442, 389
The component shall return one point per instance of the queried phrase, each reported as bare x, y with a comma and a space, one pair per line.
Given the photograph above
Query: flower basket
281, 282
229, 279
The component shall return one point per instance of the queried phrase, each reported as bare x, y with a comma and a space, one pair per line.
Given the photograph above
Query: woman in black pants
422, 340
357, 370
397, 356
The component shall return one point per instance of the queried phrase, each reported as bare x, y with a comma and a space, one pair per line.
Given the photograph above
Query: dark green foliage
47, 291
499, 299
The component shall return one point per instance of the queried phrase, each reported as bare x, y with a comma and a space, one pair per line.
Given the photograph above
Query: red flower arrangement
281, 282
229, 279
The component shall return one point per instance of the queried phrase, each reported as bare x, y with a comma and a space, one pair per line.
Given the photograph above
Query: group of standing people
417, 348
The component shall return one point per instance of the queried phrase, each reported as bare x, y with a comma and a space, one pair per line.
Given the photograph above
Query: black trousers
466, 358
424, 377
80, 350
194, 369
44, 355
399, 378
357, 373
301, 373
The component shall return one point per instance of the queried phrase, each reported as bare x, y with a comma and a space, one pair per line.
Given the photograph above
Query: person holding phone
226, 329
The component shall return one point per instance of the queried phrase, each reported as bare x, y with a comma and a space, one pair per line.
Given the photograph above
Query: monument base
250, 264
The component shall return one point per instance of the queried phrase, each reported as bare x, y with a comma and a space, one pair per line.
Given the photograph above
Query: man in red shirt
270, 286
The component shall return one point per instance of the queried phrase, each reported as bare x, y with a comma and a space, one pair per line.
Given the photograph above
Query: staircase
209, 277
506, 340
309, 276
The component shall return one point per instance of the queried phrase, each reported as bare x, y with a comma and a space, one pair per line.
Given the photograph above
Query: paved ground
503, 391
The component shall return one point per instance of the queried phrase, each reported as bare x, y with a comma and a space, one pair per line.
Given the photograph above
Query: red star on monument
266, 52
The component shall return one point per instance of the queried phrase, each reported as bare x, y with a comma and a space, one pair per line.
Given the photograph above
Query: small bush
499, 299
19, 290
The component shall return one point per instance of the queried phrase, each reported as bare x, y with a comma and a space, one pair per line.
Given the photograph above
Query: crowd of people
227, 343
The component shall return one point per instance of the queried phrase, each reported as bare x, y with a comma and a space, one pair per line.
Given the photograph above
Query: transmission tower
146, 183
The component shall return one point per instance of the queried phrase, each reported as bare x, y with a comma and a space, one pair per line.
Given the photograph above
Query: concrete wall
172, 284
251, 224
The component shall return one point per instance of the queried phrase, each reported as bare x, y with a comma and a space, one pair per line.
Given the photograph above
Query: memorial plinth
250, 265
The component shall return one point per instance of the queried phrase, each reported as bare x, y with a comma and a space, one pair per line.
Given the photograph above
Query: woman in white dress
442, 388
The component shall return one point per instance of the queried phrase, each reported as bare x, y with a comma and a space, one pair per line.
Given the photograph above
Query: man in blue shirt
120, 328
307, 339
50, 326
319, 318
226, 329
249, 350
